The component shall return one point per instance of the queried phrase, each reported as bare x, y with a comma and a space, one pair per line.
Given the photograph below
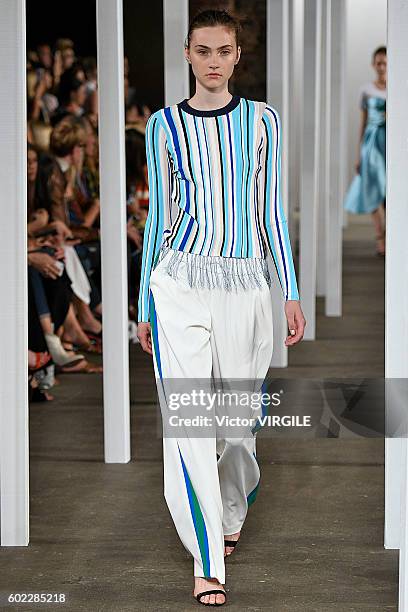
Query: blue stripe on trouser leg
198, 520
154, 332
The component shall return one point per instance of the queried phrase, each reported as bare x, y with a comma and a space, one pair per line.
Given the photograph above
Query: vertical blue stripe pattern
155, 336
221, 173
198, 520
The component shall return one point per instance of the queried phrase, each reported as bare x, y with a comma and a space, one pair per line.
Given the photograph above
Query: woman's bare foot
91, 325
207, 584
234, 537
89, 346
83, 366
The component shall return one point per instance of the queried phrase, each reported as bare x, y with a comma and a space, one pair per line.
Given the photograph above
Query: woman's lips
214, 76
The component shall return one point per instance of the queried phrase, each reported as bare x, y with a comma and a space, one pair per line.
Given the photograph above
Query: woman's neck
208, 100
381, 83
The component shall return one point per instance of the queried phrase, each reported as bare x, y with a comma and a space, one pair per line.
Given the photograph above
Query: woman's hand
57, 67
63, 232
296, 322
144, 335
37, 221
45, 264
41, 87
59, 251
40, 217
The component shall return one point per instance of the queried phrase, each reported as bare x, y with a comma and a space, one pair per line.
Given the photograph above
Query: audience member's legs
36, 339
40, 299
85, 316
73, 332
59, 297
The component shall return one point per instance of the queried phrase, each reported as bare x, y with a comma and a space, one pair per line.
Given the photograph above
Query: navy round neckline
233, 103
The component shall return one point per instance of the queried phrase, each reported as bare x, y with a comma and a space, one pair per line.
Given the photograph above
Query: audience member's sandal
42, 361
93, 347
34, 393
59, 355
94, 335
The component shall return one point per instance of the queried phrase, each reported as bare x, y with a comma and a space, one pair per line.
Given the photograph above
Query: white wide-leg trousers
200, 333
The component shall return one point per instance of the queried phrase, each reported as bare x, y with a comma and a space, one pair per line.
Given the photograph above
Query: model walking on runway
205, 308
367, 190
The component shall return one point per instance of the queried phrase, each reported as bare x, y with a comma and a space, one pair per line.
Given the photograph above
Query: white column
343, 128
334, 212
277, 94
396, 274
113, 230
293, 182
296, 34
310, 162
175, 27
324, 149
14, 453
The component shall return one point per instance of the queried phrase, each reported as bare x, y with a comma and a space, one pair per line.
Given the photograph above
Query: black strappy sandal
232, 544
211, 592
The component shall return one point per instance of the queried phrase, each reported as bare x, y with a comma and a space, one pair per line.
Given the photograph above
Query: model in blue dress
367, 191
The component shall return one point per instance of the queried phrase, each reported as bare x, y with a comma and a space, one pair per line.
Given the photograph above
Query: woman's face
45, 56
68, 58
32, 166
78, 155
79, 95
380, 65
133, 115
80, 75
90, 149
213, 54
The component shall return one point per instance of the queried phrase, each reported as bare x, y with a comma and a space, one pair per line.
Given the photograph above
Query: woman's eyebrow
205, 46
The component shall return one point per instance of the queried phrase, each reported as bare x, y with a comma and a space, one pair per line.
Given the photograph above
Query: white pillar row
343, 98
109, 21
309, 193
293, 182
176, 68
396, 275
334, 212
324, 151
296, 17
277, 94
14, 441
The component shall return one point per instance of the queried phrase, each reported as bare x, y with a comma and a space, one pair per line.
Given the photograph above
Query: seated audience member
43, 104
72, 94
39, 200
44, 55
91, 84
65, 47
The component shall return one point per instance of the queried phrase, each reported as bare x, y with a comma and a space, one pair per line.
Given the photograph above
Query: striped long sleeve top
215, 189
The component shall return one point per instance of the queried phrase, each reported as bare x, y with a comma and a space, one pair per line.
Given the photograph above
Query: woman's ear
238, 55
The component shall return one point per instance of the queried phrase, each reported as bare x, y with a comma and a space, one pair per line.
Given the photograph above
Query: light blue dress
367, 189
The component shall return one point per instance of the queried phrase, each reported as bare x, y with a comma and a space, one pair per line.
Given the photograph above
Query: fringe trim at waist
215, 271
